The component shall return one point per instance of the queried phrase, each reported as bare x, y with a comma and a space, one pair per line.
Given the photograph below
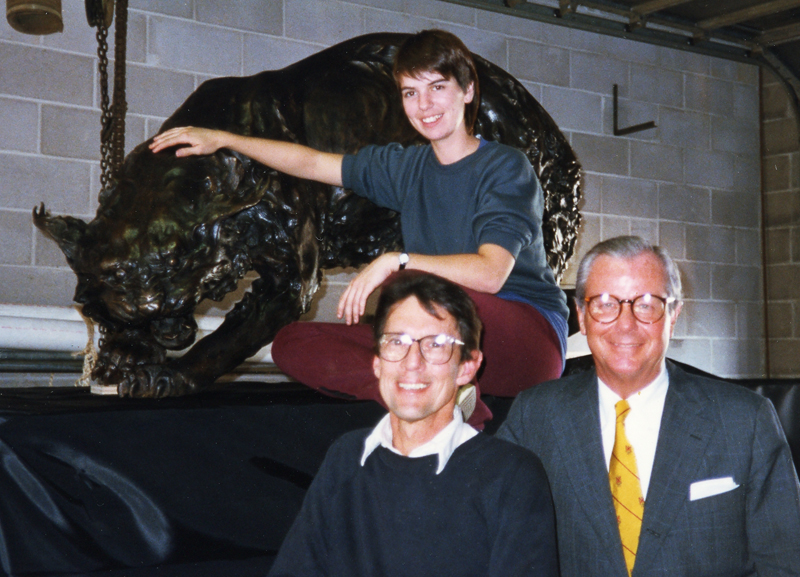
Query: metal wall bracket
630, 129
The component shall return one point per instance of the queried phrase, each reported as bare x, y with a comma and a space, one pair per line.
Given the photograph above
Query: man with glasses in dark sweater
424, 493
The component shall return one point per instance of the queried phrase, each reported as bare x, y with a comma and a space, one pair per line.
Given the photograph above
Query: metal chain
106, 119
120, 106
112, 116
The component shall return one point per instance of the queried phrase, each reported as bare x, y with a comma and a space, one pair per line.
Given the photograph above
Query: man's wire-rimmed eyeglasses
435, 349
647, 308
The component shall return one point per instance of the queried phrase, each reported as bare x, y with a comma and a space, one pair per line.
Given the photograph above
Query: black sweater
488, 513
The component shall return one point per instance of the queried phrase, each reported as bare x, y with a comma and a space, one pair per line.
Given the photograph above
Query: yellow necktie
625, 488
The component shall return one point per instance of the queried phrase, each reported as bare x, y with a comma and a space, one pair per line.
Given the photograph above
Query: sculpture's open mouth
174, 333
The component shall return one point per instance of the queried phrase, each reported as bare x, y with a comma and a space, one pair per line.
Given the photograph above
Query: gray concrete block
17, 237
775, 103
655, 161
77, 36
709, 318
683, 60
715, 244
536, 91
492, 47
539, 63
25, 285
735, 209
442, 12
324, 22
592, 188
192, 47
604, 154
778, 246
512, 26
672, 237
782, 208
736, 134
750, 321
47, 74
746, 102
71, 132
261, 53
630, 197
599, 72
157, 92
747, 174
134, 132
46, 252
255, 15
748, 247
615, 226
776, 173
710, 168
780, 136
782, 282
25, 181
794, 161
783, 358
573, 109
735, 283
737, 359
656, 85
696, 280
645, 228
619, 48
692, 351
20, 127
181, 8
684, 203
685, 129
707, 94
779, 319
795, 232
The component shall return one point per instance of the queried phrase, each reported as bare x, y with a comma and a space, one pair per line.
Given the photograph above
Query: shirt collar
653, 392
444, 444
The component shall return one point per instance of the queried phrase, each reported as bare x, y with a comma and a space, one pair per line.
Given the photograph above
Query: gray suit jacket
709, 429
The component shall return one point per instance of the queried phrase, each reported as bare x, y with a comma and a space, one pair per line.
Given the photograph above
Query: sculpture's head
161, 241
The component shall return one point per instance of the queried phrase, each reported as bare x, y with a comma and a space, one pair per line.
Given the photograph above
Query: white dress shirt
641, 425
455, 434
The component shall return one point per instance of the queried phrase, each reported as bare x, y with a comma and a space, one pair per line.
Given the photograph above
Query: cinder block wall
692, 184
781, 182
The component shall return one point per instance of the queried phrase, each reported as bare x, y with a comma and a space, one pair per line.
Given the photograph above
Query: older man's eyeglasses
435, 349
646, 308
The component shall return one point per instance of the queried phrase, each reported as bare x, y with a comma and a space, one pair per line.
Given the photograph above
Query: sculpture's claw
156, 381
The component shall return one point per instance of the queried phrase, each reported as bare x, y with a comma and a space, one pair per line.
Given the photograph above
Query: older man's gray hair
628, 247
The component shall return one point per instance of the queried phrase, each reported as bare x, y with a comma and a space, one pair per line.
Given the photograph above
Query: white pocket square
710, 487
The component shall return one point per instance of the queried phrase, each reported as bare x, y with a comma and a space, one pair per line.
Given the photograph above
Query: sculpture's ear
244, 183
70, 233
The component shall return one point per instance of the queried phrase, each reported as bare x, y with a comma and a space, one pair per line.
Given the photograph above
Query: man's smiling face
414, 390
628, 354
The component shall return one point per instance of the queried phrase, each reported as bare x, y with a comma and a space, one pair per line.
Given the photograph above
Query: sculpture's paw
156, 381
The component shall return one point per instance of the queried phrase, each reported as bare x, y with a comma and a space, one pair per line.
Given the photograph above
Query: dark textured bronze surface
175, 231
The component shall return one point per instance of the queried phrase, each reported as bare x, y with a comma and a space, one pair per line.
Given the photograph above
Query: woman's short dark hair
442, 52
434, 294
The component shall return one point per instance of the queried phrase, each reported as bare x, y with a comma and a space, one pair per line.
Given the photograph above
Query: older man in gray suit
655, 471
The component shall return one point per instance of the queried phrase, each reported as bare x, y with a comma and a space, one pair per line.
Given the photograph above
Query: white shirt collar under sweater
641, 425
446, 441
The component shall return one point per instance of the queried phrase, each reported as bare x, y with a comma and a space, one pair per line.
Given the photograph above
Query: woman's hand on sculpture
353, 301
198, 140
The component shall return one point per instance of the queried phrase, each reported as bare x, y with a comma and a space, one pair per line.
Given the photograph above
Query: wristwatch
403, 260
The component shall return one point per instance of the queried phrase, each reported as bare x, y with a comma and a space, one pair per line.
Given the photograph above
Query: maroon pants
520, 349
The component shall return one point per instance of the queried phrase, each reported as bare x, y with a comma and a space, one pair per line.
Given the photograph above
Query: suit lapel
687, 425
577, 429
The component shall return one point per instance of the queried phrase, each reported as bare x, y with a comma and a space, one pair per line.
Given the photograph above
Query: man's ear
581, 317
674, 318
376, 366
469, 368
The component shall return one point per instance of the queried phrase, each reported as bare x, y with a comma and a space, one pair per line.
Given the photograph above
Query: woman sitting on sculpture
470, 211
